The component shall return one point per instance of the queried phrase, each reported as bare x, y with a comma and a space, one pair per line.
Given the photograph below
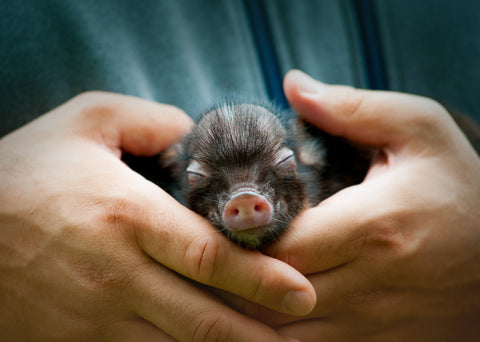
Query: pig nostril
247, 210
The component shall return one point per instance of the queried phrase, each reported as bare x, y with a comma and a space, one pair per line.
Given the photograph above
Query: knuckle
386, 234
95, 266
432, 106
429, 118
212, 326
97, 275
118, 210
430, 114
202, 258
97, 112
96, 106
99, 266
390, 238
350, 101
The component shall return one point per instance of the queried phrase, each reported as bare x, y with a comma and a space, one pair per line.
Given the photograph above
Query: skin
88, 247
91, 251
396, 258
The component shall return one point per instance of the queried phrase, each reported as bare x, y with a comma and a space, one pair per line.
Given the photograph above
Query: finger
369, 117
335, 232
339, 291
188, 313
184, 242
315, 330
128, 123
256, 311
137, 330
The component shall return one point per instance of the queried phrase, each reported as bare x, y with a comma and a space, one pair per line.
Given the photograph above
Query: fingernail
307, 85
298, 302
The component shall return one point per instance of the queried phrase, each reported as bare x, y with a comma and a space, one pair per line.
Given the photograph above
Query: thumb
375, 118
127, 123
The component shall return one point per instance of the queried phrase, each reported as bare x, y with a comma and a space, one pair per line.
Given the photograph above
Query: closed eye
285, 160
196, 173
288, 164
194, 178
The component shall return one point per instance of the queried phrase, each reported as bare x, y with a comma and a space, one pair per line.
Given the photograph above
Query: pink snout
246, 210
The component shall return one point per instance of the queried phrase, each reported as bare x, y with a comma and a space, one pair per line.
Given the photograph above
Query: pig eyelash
283, 154
195, 173
286, 160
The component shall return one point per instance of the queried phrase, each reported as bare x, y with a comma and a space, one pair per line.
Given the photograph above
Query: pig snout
246, 210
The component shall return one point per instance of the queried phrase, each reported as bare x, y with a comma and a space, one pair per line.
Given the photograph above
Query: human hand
396, 258
90, 250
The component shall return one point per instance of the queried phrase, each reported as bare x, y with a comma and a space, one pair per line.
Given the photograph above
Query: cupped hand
397, 257
90, 250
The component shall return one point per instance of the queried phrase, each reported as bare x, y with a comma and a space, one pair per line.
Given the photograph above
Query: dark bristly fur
236, 146
240, 149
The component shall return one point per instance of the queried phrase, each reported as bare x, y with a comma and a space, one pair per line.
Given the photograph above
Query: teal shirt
190, 53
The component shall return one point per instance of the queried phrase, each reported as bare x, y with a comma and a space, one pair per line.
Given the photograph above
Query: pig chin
254, 238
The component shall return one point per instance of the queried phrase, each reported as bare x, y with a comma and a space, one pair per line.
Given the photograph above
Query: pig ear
170, 157
310, 152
